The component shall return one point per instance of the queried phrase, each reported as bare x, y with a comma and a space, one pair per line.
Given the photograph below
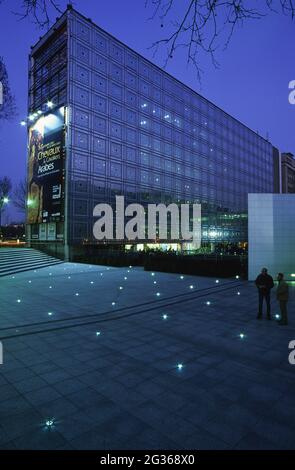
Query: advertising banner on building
46, 168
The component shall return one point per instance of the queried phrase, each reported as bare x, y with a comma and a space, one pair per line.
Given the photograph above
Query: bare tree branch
7, 101
19, 195
38, 11
203, 26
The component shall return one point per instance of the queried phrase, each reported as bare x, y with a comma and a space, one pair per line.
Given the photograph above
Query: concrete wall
271, 232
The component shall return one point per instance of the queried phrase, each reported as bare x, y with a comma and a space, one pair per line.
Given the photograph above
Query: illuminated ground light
238, 293
18, 301
191, 287
50, 314
29, 282
50, 274
69, 277
125, 278
277, 316
208, 302
158, 294
237, 277
180, 366
77, 293
50, 287
242, 336
152, 274
97, 333
155, 282
120, 287
217, 281
165, 316
181, 277
101, 274
91, 282
50, 423
130, 267
113, 303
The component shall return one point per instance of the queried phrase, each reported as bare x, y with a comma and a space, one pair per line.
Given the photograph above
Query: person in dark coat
283, 297
264, 283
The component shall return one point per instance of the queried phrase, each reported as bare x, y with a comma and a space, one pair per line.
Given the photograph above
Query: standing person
264, 284
283, 297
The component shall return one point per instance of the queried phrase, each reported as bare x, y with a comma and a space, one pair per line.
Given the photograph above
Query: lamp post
3, 200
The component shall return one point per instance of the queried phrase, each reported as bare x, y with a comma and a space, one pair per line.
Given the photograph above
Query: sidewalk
98, 365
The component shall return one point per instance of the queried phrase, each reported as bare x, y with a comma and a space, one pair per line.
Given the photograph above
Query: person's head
264, 271
280, 276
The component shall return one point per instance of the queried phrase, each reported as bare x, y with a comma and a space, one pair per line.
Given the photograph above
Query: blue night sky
251, 83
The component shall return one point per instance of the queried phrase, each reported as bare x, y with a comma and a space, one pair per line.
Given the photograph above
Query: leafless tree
39, 11
7, 99
206, 25
19, 195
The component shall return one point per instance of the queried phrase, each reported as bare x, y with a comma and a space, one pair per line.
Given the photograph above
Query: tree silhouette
19, 195
203, 26
7, 100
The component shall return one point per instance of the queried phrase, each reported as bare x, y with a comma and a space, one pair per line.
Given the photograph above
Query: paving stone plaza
121, 358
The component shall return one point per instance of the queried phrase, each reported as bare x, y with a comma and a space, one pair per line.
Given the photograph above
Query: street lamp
3, 200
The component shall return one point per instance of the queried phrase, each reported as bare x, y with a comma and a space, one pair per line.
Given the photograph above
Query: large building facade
104, 121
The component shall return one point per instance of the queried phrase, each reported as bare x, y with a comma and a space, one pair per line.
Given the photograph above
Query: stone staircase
16, 260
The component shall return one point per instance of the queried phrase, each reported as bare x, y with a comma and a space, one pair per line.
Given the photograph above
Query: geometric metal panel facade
134, 130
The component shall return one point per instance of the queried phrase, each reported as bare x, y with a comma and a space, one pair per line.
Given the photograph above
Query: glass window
131, 80
117, 53
131, 98
144, 122
116, 170
99, 145
99, 104
116, 110
130, 173
144, 176
131, 136
116, 72
116, 150
99, 83
100, 42
144, 158
130, 154
116, 91
131, 117
145, 140
116, 130
99, 166
99, 124
100, 63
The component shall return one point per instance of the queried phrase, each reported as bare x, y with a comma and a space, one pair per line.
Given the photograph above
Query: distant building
104, 121
288, 172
